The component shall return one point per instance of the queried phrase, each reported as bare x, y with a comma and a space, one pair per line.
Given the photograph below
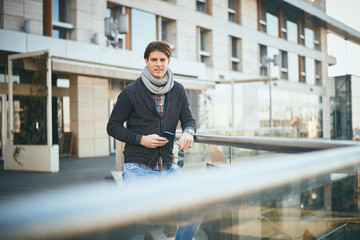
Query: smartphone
168, 135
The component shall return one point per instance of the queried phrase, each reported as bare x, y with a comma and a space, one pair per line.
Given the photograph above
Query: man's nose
158, 62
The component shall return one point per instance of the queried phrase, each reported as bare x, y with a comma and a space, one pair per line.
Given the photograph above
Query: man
152, 105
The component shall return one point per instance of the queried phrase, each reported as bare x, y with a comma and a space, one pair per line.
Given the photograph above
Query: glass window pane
292, 31
272, 22
143, 29
293, 69
309, 38
55, 10
233, 47
310, 71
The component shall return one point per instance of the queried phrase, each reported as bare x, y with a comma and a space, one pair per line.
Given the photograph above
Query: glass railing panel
287, 196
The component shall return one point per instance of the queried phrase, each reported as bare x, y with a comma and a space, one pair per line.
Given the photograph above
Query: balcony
238, 187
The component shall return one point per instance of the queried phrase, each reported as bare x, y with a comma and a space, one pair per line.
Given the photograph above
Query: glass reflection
309, 38
272, 23
292, 31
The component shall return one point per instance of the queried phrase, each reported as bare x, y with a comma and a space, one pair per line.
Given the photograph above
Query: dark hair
160, 46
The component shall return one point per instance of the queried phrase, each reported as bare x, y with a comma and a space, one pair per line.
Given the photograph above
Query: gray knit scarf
155, 85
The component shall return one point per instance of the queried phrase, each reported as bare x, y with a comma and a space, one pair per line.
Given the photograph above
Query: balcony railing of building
291, 195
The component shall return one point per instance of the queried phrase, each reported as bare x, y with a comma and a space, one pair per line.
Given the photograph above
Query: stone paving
73, 171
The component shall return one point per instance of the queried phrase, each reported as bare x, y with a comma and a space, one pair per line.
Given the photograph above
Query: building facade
251, 67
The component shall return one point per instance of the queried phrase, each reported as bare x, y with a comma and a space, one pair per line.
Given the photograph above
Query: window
269, 21
310, 71
233, 11
302, 32
143, 29
309, 38
272, 23
235, 53
302, 76
203, 6
115, 26
262, 17
284, 65
292, 30
318, 73
204, 46
284, 26
293, 67
262, 63
166, 29
317, 38
61, 19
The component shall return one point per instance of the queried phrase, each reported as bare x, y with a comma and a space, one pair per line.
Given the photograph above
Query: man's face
157, 64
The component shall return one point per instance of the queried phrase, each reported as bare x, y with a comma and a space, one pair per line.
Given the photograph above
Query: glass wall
294, 114
300, 112
346, 108
355, 99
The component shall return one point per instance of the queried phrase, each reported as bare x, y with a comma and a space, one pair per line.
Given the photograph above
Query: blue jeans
131, 173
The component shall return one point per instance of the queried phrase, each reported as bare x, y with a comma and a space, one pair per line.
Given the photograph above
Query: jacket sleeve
119, 115
186, 118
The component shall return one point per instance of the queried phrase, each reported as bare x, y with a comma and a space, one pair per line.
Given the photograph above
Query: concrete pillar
89, 115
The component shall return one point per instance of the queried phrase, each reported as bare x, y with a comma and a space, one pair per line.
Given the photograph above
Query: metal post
11, 102
49, 102
270, 97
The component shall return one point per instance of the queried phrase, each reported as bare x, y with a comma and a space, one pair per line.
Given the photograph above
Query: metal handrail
101, 206
332, 231
274, 144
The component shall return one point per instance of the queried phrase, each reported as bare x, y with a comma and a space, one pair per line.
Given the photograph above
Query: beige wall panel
250, 57
85, 94
189, 4
34, 10
101, 109
220, 9
13, 23
14, 7
100, 133
187, 42
86, 112
85, 5
100, 148
86, 129
86, 148
221, 56
100, 89
249, 13
90, 107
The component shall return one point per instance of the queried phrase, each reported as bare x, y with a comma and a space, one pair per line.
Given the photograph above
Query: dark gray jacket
136, 106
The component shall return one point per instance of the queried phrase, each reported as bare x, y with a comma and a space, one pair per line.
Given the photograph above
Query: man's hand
153, 141
186, 140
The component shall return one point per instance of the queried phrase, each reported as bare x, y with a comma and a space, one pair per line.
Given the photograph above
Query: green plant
16, 153
33, 126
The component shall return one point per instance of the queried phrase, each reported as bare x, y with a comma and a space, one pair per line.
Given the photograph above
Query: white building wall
16, 12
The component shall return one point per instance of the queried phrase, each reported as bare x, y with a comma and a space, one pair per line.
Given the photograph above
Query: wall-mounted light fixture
26, 26
95, 39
